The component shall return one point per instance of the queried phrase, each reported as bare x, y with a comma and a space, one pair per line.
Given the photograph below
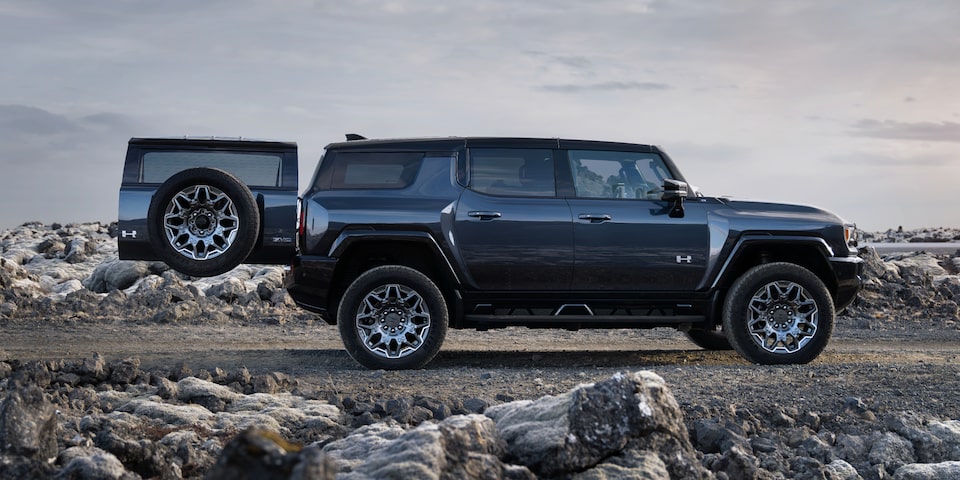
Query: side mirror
674, 191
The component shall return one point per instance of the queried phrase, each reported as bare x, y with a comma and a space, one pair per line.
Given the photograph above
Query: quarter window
513, 172
605, 174
375, 170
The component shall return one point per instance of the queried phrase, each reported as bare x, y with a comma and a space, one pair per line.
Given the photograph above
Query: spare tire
203, 222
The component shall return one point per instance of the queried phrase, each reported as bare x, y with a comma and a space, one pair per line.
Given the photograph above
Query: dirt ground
888, 370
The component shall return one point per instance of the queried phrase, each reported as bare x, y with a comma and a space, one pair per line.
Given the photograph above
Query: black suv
399, 240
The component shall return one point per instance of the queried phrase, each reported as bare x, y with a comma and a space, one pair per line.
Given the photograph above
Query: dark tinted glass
513, 172
375, 170
606, 174
254, 169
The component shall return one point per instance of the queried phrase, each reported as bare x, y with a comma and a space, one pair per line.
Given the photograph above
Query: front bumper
848, 271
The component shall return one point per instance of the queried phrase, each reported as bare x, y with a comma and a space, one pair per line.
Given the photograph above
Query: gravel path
889, 370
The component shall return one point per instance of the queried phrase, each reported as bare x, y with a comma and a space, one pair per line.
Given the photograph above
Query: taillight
301, 222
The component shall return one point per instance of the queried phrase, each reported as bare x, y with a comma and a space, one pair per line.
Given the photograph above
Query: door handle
596, 217
483, 215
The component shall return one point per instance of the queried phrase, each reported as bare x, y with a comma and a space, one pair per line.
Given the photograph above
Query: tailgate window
253, 169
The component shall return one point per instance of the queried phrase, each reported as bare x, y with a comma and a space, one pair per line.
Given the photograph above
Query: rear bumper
308, 283
848, 271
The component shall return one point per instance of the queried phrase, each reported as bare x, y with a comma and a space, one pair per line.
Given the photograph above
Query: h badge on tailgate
686, 259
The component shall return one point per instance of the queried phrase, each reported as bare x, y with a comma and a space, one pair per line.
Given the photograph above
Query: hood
766, 209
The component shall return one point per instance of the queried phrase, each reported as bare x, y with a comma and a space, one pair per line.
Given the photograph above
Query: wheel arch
810, 253
360, 250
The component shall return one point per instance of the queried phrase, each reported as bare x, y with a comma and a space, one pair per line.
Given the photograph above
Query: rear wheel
392, 317
778, 313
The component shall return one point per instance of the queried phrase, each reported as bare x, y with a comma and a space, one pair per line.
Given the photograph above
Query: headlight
850, 235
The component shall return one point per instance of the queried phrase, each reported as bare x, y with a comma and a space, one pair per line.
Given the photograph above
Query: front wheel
778, 313
392, 318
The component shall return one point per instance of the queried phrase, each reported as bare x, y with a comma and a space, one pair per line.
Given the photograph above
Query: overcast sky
853, 106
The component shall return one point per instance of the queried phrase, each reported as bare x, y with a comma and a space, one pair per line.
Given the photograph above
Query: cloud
61, 167
22, 119
578, 63
112, 121
35, 133
603, 87
886, 160
891, 129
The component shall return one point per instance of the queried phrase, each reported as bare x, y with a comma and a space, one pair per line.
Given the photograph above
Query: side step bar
586, 320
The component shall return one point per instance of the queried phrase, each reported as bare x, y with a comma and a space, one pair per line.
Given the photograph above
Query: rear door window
512, 172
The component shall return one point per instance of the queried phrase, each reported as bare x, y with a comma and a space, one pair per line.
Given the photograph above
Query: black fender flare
726, 274
349, 238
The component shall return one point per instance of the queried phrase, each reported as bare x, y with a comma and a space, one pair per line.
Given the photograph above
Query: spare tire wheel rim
393, 321
782, 317
201, 222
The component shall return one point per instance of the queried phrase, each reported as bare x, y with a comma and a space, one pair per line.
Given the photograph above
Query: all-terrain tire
778, 313
393, 318
203, 222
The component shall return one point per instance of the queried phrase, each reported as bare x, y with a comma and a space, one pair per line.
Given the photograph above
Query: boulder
928, 471
50, 247
576, 431
177, 313
28, 424
90, 463
125, 371
230, 290
463, 446
918, 268
264, 454
115, 275
841, 470
191, 453
949, 433
928, 447
891, 451
77, 250
211, 395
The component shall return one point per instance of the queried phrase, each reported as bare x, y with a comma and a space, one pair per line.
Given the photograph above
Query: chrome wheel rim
782, 317
201, 222
393, 321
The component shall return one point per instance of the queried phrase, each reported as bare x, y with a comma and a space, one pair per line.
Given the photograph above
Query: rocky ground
922, 235
127, 370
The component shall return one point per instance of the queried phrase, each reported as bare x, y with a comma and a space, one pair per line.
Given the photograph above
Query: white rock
61, 290
842, 470
171, 414
238, 421
91, 462
192, 387
928, 471
949, 433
